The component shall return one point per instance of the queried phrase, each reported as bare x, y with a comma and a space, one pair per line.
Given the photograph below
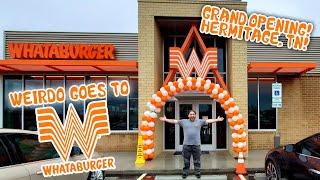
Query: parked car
21, 157
295, 161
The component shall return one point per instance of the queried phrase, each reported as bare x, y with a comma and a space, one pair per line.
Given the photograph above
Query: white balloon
148, 142
148, 104
179, 80
208, 81
227, 102
229, 120
244, 144
234, 144
236, 127
234, 135
154, 96
157, 99
206, 86
231, 110
231, 127
151, 124
181, 85
144, 123
240, 144
231, 100
225, 92
172, 88
163, 103
144, 142
189, 78
240, 116
144, 151
152, 107
216, 86
143, 133
162, 89
189, 83
152, 150
221, 95
149, 133
244, 134
157, 110
215, 91
170, 83
235, 118
147, 113
198, 84
199, 79
236, 108
153, 115
241, 126
148, 151
164, 93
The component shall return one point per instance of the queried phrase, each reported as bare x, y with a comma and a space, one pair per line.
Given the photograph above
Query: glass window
261, 114
267, 113
117, 107
169, 128
30, 83
4, 155
55, 82
12, 117
221, 128
96, 80
133, 103
221, 45
30, 148
253, 103
79, 105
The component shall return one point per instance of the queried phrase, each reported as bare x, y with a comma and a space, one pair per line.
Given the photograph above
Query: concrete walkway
219, 162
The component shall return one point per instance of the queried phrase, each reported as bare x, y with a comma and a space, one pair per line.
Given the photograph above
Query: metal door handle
314, 171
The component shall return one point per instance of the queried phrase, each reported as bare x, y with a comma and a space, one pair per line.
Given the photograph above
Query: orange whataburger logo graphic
96, 124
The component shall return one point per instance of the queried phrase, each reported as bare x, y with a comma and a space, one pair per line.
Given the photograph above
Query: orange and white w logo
95, 125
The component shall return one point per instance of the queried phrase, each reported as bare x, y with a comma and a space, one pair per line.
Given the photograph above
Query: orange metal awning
56, 66
281, 67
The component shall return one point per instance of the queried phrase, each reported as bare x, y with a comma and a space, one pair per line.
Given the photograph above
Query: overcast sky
119, 16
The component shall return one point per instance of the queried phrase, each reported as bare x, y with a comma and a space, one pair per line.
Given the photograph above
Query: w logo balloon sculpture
217, 92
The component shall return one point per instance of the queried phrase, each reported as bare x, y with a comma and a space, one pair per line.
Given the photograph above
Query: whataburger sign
61, 51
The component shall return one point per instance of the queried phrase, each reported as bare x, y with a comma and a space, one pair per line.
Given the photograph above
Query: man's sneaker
184, 176
198, 176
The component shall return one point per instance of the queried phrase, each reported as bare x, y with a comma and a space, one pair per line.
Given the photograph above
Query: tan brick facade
150, 53
120, 142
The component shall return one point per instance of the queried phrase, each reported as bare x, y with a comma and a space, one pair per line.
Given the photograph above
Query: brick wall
117, 143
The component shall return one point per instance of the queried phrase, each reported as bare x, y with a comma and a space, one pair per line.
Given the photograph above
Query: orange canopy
52, 66
281, 67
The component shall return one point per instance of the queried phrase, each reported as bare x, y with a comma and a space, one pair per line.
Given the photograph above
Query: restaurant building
248, 69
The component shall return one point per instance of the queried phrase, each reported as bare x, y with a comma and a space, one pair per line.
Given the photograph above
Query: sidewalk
166, 163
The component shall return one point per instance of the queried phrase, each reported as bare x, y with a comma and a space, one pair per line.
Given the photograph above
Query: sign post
277, 103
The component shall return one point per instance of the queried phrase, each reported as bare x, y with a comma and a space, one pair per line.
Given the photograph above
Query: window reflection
30, 83
133, 103
253, 103
55, 82
267, 113
75, 80
11, 116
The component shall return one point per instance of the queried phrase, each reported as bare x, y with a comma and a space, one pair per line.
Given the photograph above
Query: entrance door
205, 110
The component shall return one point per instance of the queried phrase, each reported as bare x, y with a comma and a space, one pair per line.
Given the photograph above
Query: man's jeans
195, 151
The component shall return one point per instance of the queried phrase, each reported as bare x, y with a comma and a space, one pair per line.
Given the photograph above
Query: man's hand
220, 118
163, 118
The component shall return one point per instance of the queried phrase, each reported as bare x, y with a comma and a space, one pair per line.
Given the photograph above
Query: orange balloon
242, 139
240, 121
215, 96
240, 131
184, 81
203, 82
201, 88
236, 140
178, 90
145, 137
151, 128
145, 156
193, 87
143, 128
167, 87
159, 94
222, 101
232, 104
151, 156
158, 105
144, 117
186, 88
145, 147
232, 123
209, 91
226, 97
175, 83
229, 115
220, 90
235, 112
170, 93
164, 98
151, 146
226, 107
193, 80
244, 149
151, 137
211, 86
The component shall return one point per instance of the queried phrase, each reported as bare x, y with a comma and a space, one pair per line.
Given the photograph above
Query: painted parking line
142, 176
191, 177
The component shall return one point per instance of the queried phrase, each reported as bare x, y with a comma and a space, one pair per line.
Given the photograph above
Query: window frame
258, 104
125, 77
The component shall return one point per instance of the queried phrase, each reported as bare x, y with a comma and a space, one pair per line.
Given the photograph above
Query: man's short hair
192, 111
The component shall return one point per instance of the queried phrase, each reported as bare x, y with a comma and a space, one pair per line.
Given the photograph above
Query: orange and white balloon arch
234, 117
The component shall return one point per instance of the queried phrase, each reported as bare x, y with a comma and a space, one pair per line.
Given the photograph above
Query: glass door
205, 110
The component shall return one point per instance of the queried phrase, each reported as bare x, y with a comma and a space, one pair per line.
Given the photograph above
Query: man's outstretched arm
208, 121
172, 121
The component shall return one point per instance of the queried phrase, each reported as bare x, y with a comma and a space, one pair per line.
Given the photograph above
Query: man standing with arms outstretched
191, 143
